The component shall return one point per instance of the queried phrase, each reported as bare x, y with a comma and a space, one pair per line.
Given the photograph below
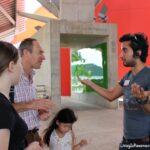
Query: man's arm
110, 95
44, 115
142, 96
37, 104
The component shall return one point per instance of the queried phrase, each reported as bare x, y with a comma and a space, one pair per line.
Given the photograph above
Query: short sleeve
148, 85
146, 79
121, 82
6, 116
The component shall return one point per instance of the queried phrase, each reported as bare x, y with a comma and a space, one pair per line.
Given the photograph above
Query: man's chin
37, 67
128, 65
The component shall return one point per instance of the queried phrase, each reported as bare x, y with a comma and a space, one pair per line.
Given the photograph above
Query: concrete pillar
55, 60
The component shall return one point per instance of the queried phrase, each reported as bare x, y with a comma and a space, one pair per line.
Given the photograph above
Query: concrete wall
43, 75
77, 10
94, 99
55, 61
49, 74
75, 34
81, 34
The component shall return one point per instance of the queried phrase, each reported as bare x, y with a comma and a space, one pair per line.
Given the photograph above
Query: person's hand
41, 104
83, 142
34, 146
138, 91
44, 115
85, 81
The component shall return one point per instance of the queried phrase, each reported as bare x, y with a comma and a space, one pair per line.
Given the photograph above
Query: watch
144, 101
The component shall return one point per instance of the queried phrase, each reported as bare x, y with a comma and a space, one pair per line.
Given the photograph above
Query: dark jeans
134, 144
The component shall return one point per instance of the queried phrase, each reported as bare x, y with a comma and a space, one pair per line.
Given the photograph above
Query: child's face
64, 127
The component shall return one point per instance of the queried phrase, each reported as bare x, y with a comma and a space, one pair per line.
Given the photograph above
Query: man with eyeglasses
134, 51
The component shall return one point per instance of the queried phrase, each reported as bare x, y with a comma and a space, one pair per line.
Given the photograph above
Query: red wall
65, 67
130, 16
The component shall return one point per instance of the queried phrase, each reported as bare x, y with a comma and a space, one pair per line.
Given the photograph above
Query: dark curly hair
138, 41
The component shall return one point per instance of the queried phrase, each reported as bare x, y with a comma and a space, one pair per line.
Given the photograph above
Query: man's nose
121, 55
43, 57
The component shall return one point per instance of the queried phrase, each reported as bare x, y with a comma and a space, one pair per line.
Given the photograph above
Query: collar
30, 76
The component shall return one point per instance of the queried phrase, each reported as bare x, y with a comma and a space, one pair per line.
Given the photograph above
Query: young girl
12, 128
59, 135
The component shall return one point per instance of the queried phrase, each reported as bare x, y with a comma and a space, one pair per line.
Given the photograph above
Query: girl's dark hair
65, 115
8, 53
138, 41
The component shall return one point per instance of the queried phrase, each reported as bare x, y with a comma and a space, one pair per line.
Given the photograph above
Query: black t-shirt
9, 119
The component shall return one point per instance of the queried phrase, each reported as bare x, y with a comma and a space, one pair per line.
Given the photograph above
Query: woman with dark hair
59, 134
12, 128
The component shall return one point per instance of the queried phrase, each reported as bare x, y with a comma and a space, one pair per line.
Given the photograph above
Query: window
89, 63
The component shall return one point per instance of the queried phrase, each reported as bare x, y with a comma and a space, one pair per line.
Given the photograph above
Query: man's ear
138, 53
11, 66
25, 52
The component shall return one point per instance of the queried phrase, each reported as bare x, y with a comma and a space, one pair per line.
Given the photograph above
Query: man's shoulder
146, 71
147, 68
128, 74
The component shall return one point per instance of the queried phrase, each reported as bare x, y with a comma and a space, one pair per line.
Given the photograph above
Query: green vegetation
91, 71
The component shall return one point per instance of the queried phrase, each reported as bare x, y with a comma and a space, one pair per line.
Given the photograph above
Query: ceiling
7, 16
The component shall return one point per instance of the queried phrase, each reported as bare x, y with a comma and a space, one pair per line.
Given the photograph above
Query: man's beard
129, 64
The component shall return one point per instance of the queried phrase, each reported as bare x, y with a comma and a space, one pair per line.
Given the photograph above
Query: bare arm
4, 139
44, 115
82, 143
110, 95
77, 146
38, 104
34, 146
141, 95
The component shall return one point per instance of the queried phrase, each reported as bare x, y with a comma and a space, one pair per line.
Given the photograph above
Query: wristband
143, 102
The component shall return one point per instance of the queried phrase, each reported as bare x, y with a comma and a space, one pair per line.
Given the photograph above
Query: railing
41, 91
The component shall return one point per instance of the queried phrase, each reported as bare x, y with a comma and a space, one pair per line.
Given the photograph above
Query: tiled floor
101, 127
